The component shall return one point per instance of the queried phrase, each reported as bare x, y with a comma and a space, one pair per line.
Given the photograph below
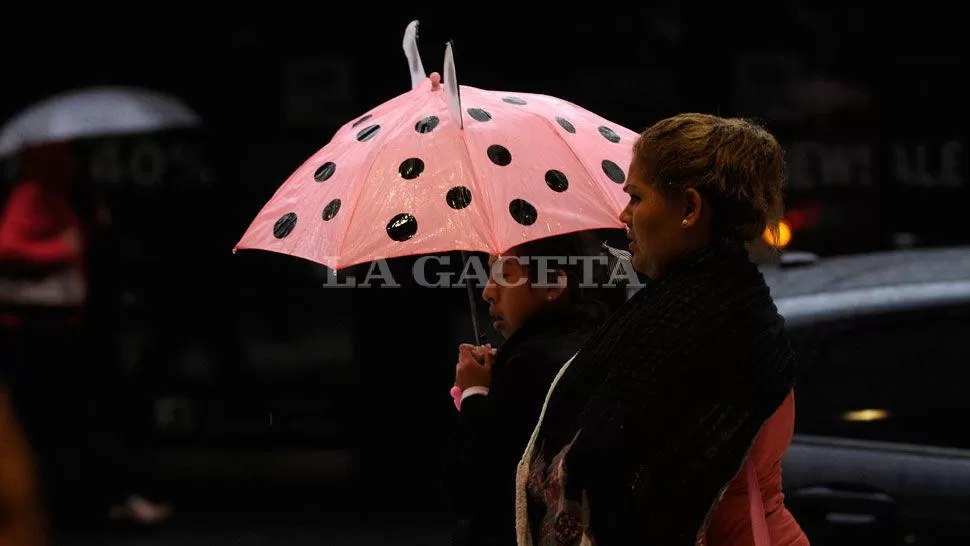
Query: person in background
46, 355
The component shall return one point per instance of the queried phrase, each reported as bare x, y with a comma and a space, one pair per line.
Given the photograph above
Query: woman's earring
684, 223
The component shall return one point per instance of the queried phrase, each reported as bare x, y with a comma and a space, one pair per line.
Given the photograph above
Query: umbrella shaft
479, 338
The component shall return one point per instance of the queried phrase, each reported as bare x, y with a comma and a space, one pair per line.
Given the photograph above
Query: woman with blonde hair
652, 432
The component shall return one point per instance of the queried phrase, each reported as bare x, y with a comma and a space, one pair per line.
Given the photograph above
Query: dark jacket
493, 430
656, 414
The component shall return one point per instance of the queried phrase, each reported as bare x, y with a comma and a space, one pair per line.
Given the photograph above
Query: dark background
240, 374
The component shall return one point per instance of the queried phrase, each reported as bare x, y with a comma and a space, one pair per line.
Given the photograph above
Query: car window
902, 377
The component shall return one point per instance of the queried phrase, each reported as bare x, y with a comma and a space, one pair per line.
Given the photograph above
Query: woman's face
655, 225
511, 297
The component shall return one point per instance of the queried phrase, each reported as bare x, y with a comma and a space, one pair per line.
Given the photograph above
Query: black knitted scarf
656, 413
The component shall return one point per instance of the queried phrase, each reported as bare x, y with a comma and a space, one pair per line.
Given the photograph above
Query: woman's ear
693, 207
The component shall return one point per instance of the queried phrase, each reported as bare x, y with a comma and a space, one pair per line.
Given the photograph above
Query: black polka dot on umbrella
426, 125
284, 226
368, 133
557, 181
514, 100
331, 210
411, 168
609, 134
459, 197
565, 124
613, 171
523, 212
325, 171
500, 155
402, 227
479, 115
361, 120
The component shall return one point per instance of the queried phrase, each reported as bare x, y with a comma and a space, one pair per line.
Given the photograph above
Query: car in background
881, 452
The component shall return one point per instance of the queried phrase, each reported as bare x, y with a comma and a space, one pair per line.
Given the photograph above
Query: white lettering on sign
147, 163
924, 165
818, 165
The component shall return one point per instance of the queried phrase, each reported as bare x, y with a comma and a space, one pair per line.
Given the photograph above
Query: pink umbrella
442, 168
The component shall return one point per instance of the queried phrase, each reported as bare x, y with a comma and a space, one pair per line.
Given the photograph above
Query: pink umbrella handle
456, 395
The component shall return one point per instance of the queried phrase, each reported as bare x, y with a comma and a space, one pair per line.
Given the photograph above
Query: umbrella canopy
446, 167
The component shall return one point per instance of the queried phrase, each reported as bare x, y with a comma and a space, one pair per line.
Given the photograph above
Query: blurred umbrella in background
94, 112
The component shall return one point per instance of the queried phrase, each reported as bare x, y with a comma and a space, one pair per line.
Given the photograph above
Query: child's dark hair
570, 253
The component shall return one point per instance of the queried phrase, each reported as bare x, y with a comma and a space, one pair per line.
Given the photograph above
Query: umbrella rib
360, 190
609, 198
490, 212
353, 200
